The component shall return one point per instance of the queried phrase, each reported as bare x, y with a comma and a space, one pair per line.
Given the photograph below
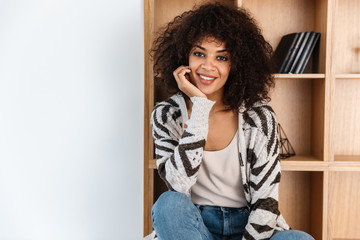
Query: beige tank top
219, 178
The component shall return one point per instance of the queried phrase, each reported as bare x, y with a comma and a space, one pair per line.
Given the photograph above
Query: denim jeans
175, 217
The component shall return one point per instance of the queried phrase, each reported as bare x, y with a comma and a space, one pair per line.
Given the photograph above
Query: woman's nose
208, 63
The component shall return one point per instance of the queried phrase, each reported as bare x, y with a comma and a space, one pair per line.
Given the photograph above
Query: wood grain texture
147, 102
292, 103
346, 117
299, 195
347, 37
344, 199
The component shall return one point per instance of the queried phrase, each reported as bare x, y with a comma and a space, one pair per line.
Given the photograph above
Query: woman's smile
206, 79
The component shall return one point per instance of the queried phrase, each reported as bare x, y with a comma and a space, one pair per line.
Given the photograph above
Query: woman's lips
206, 79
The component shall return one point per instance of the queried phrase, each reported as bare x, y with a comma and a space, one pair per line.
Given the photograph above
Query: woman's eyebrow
202, 48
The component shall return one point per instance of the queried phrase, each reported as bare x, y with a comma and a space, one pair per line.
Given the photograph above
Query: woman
216, 138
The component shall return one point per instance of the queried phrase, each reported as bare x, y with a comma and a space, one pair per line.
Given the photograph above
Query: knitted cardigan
179, 154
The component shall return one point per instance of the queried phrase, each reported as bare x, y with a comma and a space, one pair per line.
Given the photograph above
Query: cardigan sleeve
179, 152
264, 175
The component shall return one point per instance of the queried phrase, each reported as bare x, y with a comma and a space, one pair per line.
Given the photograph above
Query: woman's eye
222, 58
198, 54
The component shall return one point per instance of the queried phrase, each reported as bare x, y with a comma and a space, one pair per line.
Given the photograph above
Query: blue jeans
175, 217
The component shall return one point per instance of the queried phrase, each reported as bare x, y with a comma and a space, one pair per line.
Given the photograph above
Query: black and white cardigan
179, 154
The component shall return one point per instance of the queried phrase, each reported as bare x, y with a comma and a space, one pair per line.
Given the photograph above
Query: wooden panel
347, 37
316, 205
300, 201
346, 117
148, 101
291, 101
344, 199
295, 205
317, 119
322, 25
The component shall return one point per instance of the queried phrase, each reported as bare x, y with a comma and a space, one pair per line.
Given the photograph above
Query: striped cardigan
178, 156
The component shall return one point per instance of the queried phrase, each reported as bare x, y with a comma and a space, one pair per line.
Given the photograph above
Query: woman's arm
179, 152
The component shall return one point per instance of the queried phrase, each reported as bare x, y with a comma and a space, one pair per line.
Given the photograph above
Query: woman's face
209, 62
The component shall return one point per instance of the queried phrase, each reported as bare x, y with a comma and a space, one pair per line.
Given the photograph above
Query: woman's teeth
207, 78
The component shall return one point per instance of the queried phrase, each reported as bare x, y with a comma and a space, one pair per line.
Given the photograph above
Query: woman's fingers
182, 77
180, 73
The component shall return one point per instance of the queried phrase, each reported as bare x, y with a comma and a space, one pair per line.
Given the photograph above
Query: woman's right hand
182, 77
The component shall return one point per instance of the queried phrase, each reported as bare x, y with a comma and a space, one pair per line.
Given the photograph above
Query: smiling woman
216, 141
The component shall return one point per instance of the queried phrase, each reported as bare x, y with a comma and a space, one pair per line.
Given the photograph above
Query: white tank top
219, 178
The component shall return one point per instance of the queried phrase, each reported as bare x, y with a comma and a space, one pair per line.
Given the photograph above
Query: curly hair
250, 77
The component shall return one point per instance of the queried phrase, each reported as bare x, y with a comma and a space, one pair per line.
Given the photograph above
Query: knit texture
179, 154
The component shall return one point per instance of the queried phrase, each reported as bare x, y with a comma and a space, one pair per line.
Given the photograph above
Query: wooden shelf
345, 163
299, 76
344, 166
303, 163
347, 76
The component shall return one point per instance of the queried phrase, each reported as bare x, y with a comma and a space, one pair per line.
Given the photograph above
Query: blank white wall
71, 119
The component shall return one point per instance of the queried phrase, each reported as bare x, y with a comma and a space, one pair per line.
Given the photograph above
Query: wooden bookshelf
318, 110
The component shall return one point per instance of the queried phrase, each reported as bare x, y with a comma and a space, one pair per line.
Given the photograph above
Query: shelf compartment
347, 45
292, 16
299, 107
346, 119
301, 201
344, 207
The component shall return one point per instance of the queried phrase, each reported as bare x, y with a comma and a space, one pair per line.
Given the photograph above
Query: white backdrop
71, 119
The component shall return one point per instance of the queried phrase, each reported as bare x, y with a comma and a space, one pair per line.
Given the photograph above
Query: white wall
71, 119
